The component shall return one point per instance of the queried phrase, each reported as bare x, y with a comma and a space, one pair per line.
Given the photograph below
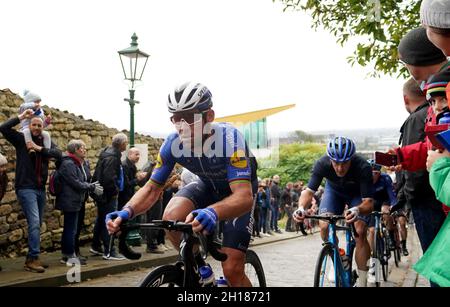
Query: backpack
54, 183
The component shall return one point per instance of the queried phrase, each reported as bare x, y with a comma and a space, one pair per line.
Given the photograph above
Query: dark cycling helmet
375, 166
189, 96
341, 149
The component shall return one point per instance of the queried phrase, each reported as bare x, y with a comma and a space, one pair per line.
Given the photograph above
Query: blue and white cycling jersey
224, 160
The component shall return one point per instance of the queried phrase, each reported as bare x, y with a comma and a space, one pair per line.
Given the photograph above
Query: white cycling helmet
189, 96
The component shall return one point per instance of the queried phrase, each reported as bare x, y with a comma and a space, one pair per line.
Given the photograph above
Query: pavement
14, 275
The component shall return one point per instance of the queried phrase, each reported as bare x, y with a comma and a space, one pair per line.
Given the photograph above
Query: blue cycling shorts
236, 232
334, 201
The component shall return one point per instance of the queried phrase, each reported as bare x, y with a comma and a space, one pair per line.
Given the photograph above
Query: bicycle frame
378, 229
339, 272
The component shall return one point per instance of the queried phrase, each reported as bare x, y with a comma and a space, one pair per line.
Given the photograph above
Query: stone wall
65, 126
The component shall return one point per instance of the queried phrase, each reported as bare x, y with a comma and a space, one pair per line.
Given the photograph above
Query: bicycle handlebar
333, 219
207, 242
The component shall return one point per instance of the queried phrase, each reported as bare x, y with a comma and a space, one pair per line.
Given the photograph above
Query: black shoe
79, 255
405, 252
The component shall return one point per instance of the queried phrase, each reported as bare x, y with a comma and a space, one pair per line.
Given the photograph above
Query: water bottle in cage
207, 278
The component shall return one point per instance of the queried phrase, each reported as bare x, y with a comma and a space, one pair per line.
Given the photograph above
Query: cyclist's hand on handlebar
203, 220
299, 215
351, 215
114, 219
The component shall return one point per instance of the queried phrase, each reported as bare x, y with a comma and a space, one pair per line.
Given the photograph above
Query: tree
295, 162
377, 25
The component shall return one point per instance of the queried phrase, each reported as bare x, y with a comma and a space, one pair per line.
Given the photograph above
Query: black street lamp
133, 63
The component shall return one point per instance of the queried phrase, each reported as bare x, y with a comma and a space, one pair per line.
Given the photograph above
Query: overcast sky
250, 53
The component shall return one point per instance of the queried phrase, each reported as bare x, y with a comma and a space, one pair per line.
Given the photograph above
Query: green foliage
378, 26
295, 162
301, 136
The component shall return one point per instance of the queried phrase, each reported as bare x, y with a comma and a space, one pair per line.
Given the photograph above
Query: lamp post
133, 63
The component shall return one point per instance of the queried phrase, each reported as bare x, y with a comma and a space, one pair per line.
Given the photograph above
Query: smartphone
432, 131
385, 159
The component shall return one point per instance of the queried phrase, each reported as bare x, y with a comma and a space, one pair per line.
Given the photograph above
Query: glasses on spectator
188, 118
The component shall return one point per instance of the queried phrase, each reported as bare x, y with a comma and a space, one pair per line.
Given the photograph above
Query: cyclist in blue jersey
349, 182
227, 181
384, 199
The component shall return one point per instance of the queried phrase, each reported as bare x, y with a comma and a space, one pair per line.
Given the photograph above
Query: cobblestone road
287, 263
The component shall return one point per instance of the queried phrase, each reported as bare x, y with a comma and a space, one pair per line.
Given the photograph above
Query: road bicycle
334, 265
381, 252
185, 272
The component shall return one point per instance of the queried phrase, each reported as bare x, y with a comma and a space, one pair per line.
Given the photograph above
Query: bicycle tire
397, 256
165, 275
252, 259
326, 251
376, 254
384, 253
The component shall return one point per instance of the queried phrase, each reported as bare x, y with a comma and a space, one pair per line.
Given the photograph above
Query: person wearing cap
435, 17
32, 101
423, 60
432, 265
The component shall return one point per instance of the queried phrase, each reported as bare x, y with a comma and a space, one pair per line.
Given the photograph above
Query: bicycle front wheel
324, 275
164, 276
254, 269
385, 253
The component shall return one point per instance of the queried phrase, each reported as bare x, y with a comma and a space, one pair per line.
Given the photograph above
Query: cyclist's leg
177, 209
388, 219
401, 219
389, 222
362, 251
183, 203
332, 203
236, 238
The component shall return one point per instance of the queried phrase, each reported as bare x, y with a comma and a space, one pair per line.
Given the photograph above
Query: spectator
131, 175
264, 195
30, 178
434, 263
275, 203
3, 179
286, 205
434, 16
33, 102
3, 176
82, 212
422, 59
109, 173
257, 211
74, 188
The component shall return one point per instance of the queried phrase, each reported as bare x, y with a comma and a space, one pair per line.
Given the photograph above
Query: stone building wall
65, 126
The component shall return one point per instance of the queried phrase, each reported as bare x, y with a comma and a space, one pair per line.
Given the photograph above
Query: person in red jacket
423, 60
